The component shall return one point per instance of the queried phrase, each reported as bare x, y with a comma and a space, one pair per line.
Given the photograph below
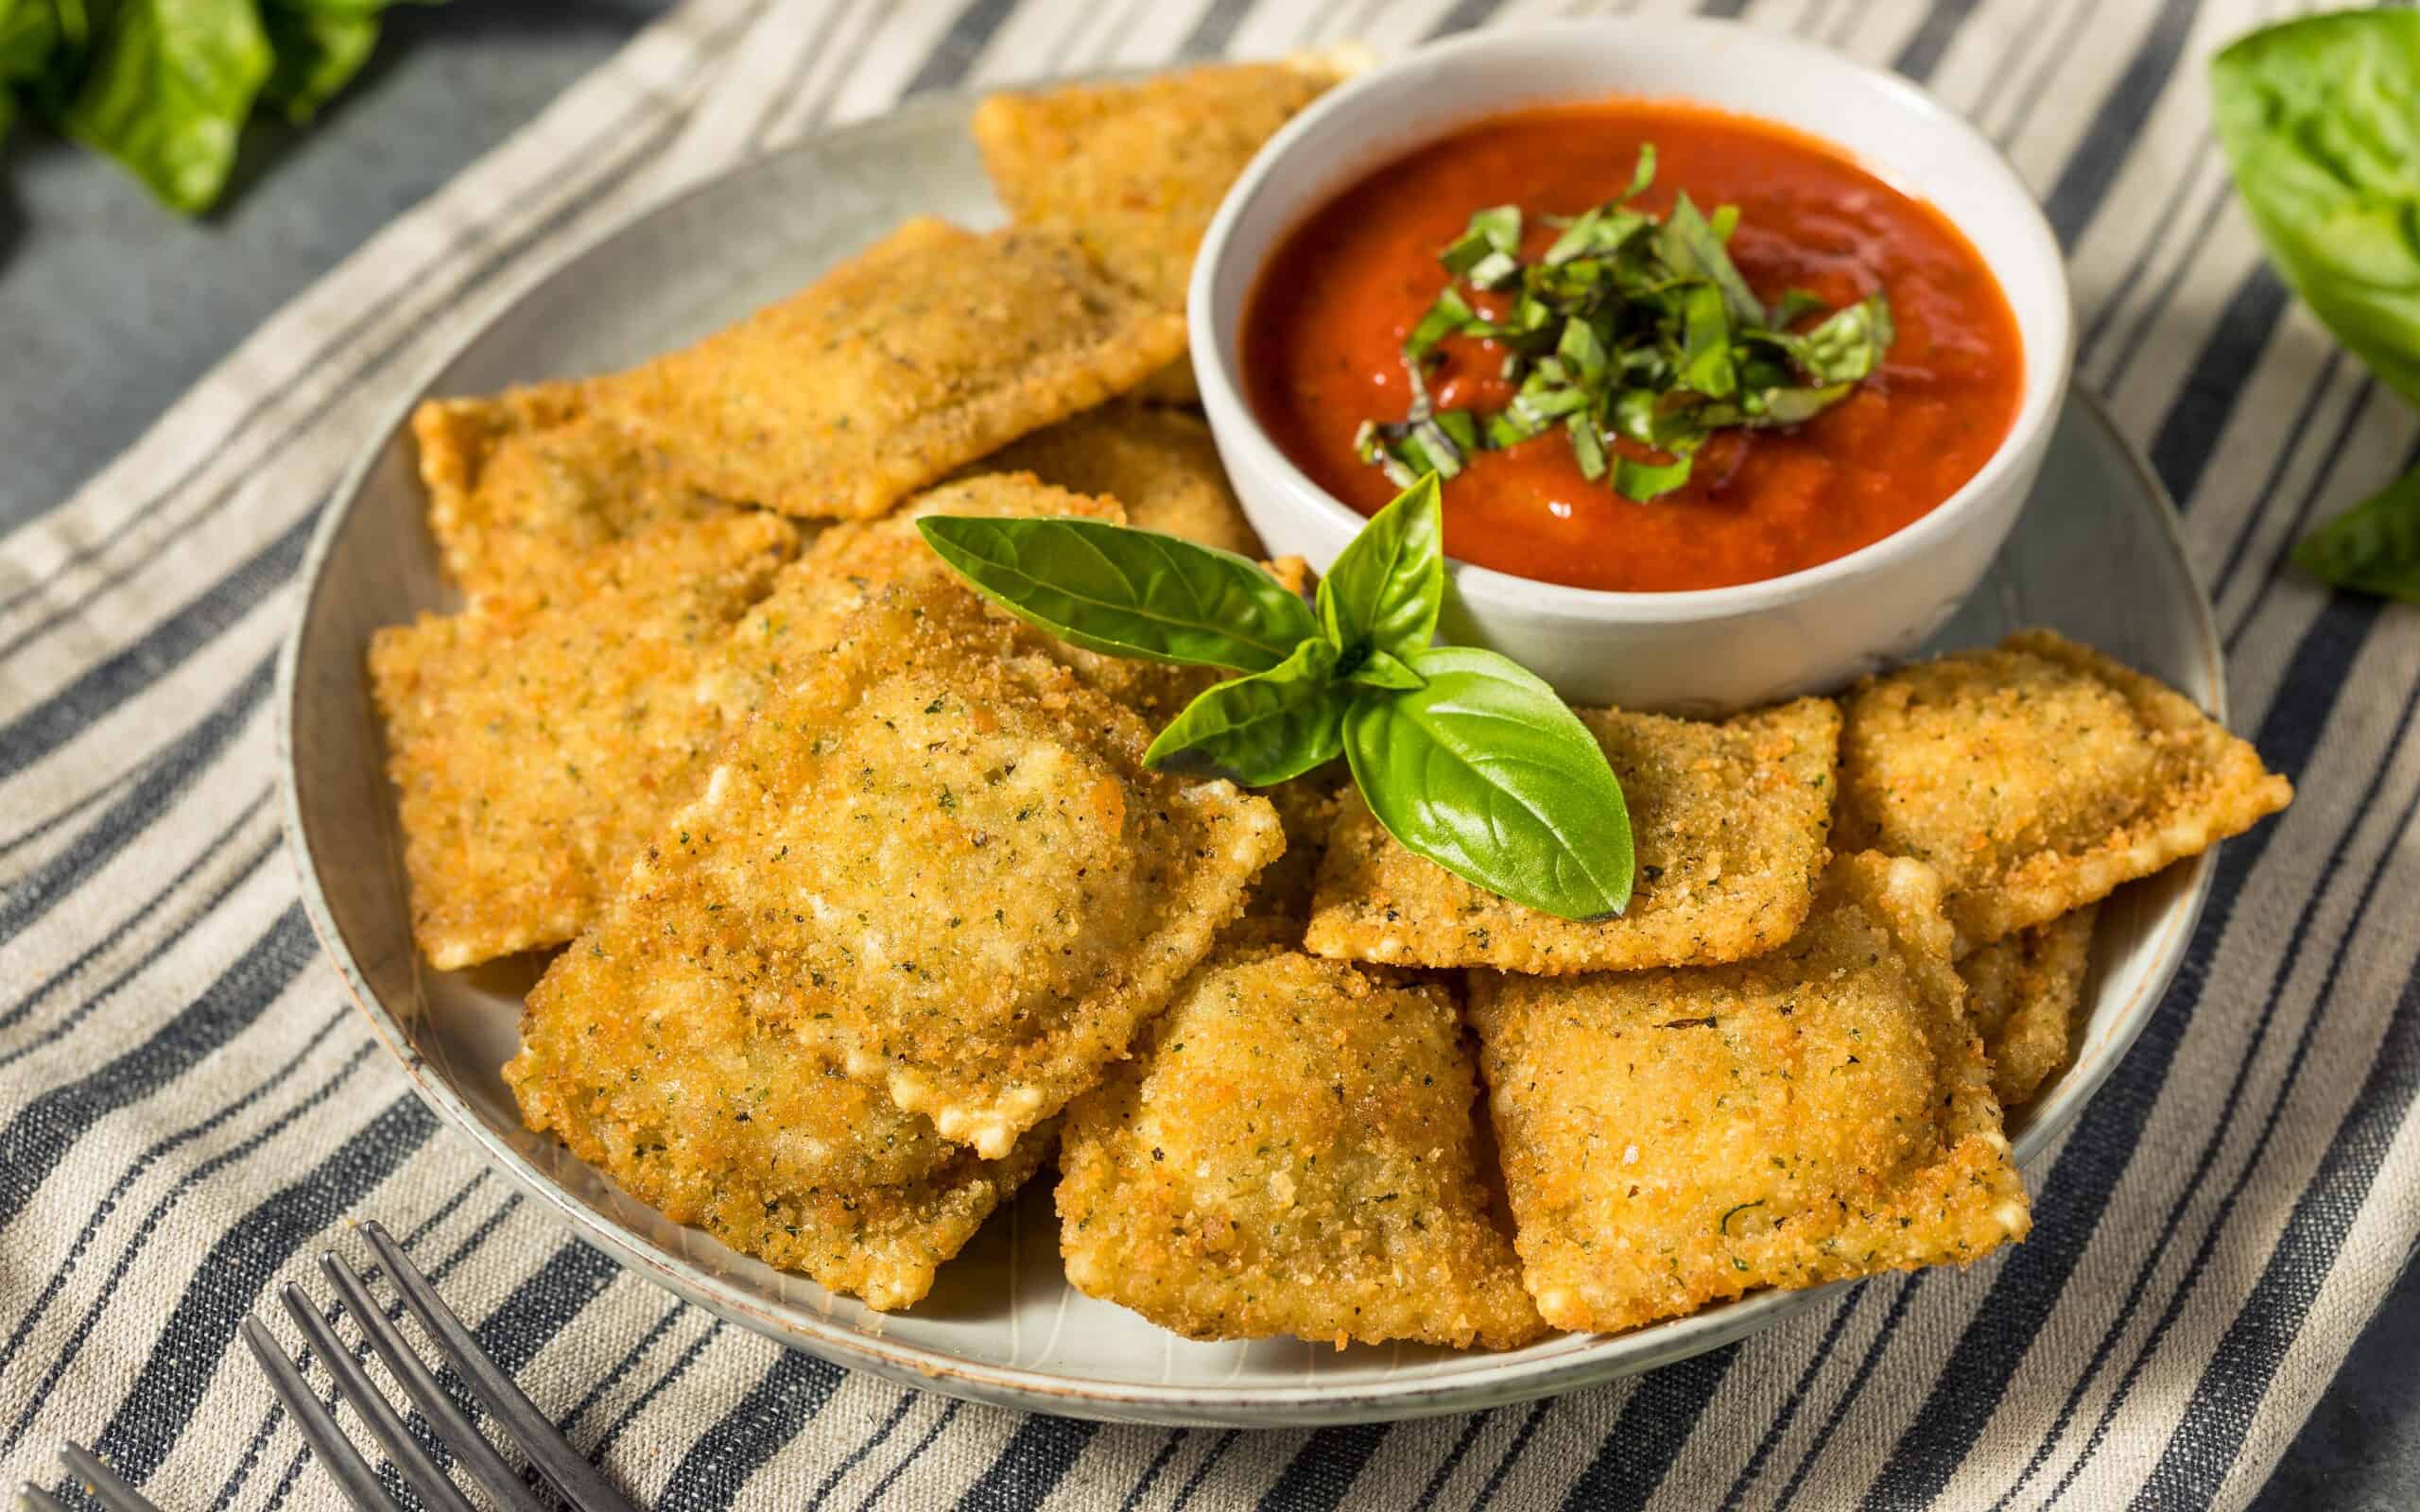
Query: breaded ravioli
1675, 1138
1135, 170
937, 856
524, 483
1160, 464
539, 737
649, 1051
1293, 1153
854, 560
1728, 821
2021, 996
931, 348
2038, 776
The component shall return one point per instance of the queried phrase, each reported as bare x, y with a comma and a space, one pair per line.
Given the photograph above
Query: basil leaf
1587, 447
1705, 360
1795, 306
1850, 343
29, 34
1642, 175
1126, 592
2372, 547
318, 54
1384, 588
2319, 118
1691, 246
168, 92
1644, 481
1259, 729
1380, 670
1486, 773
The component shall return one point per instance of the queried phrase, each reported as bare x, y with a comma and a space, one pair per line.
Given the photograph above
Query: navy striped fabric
189, 1109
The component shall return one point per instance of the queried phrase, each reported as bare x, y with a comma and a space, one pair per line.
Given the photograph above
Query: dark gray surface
110, 308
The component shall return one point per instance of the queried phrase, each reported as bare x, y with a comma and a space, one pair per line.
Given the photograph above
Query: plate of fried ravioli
814, 937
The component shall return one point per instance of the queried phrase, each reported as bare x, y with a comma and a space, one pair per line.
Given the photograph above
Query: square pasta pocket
1292, 1152
1676, 1138
1728, 821
538, 738
929, 349
2039, 776
938, 856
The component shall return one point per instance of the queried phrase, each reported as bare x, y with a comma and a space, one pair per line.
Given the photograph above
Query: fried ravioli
926, 351
538, 738
1160, 464
1728, 821
2021, 995
656, 1066
1134, 171
1675, 1138
524, 483
1292, 1153
940, 855
2038, 776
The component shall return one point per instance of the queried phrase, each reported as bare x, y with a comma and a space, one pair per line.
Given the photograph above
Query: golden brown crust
1675, 1138
926, 351
2038, 776
537, 739
1160, 464
1728, 821
523, 483
942, 854
1293, 1153
713, 1111
2021, 995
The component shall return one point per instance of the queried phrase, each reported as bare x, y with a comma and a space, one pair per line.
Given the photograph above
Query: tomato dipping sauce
1325, 328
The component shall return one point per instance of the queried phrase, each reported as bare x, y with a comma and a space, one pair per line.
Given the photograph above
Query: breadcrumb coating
1728, 822
1160, 464
1675, 1138
1293, 1153
522, 484
2039, 777
926, 351
937, 856
1135, 170
2021, 995
537, 738
674, 1078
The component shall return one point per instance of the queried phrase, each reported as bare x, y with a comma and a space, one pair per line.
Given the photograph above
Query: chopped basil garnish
1627, 328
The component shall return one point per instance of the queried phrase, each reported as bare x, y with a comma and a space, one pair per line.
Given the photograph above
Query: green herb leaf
30, 35
1691, 246
1262, 728
1127, 592
1484, 771
1644, 481
1381, 670
168, 92
1385, 588
2319, 118
318, 51
1850, 344
2372, 547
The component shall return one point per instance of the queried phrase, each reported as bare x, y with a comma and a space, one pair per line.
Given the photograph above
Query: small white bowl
1705, 650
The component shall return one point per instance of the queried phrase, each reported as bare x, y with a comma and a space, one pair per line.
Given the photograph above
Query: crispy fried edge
2022, 992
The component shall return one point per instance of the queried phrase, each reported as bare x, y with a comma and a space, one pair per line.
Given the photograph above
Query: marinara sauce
1324, 329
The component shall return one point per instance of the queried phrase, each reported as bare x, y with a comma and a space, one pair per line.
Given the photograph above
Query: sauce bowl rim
2048, 335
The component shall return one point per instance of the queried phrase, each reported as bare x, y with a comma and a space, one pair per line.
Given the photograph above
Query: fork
564, 1468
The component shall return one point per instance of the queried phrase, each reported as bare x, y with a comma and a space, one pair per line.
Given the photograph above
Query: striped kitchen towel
189, 1108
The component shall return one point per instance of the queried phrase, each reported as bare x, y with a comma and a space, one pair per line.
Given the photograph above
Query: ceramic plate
2096, 556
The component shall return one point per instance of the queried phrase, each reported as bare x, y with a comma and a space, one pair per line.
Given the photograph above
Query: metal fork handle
107, 1486
582, 1483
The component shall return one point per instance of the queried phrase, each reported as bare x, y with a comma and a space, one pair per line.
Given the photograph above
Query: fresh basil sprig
1465, 756
2319, 118
1627, 328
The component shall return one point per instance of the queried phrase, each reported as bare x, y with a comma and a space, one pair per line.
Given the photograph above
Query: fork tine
407, 1454
40, 1499
478, 1456
336, 1454
579, 1481
107, 1486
